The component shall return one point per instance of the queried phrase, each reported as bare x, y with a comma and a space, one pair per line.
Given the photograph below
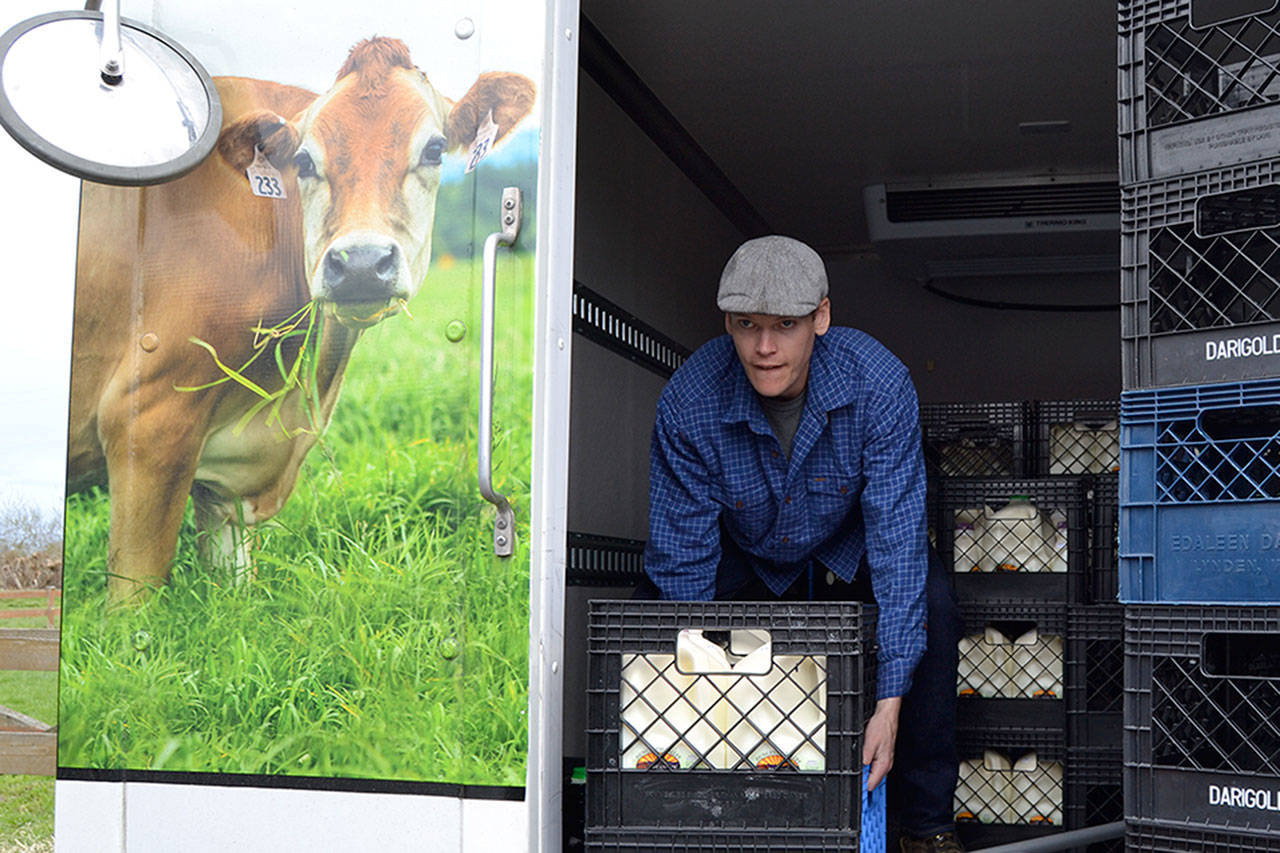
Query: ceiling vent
999, 226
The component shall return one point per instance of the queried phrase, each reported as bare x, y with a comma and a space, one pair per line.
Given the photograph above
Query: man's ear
728, 324
822, 317
508, 96
262, 128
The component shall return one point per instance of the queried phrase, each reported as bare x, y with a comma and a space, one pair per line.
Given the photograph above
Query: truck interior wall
648, 240
984, 353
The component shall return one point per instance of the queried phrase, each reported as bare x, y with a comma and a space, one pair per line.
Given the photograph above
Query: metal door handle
504, 525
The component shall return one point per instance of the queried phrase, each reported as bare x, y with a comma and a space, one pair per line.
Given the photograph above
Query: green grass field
379, 637
26, 802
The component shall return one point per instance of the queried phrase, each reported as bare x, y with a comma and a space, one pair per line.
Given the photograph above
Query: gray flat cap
773, 275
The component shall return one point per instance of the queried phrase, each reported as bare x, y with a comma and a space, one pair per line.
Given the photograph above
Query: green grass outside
379, 637
26, 802
26, 814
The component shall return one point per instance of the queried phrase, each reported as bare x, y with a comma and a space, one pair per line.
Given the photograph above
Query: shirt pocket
749, 510
831, 496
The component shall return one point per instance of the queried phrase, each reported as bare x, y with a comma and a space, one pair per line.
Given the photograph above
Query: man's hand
877, 741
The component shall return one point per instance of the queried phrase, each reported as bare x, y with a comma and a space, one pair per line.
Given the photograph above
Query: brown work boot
943, 842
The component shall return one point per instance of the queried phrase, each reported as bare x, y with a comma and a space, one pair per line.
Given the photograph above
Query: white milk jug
1084, 448
653, 698
968, 549
1055, 551
1035, 666
706, 729
1017, 537
778, 717
1035, 792
982, 667
981, 789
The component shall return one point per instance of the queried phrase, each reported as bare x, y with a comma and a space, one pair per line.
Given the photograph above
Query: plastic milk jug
1084, 448
1055, 552
981, 669
981, 789
653, 695
1035, 792
1016, 535
706, 727
968, 549
778, 718
1035, 666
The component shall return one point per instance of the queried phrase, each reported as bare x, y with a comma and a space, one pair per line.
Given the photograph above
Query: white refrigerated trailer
381, 679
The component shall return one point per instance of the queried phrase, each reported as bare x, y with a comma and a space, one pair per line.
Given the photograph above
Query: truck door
307, 387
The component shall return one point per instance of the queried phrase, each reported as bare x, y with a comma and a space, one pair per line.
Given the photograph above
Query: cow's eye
306, 166
432, 151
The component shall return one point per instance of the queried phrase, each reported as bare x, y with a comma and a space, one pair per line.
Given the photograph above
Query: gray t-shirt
784, 417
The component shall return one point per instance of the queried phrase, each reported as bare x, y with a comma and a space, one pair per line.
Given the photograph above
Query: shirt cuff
894, 678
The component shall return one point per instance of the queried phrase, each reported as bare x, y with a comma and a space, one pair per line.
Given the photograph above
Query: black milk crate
1200, 277
995, 805
1199, 82
1011, 665
1104, 533
1095, 676
1077, 437
1095, 792
975, 439
720, 797
1200, 494
1202, 716
993, 558
1187, 837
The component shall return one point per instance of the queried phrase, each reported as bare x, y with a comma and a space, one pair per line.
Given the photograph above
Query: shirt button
786, 538
739, 504
775, 453
844, 490
788, 499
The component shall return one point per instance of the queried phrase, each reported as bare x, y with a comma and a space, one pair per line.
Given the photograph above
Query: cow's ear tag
486, 134
264, 179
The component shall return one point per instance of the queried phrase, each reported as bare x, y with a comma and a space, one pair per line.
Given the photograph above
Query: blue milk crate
1200, 494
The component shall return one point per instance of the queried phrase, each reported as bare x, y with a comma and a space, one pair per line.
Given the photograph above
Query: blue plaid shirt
854, 485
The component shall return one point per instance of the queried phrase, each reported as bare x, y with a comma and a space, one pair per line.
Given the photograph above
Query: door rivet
455, 331
465, 28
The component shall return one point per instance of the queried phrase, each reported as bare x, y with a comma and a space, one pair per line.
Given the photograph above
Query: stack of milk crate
1023, 510
1199, 559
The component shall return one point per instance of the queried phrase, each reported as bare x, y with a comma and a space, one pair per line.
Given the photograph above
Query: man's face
775, 350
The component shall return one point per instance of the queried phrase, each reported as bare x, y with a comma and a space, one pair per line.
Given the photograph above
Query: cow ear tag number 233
264, 179
486, 135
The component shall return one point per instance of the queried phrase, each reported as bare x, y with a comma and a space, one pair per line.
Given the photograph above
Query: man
786, 455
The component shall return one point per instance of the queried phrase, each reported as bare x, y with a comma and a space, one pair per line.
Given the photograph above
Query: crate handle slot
746, 651
1249, 654
1208, 13
1244, 210
1241, 422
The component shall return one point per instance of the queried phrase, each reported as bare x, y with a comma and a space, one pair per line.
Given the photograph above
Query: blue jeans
922, 783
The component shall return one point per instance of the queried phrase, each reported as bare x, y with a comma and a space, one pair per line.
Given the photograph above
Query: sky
291, 42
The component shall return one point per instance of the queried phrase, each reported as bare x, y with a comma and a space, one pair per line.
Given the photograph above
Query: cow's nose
361, 273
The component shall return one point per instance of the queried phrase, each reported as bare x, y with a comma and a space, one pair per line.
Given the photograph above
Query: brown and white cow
203, 258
